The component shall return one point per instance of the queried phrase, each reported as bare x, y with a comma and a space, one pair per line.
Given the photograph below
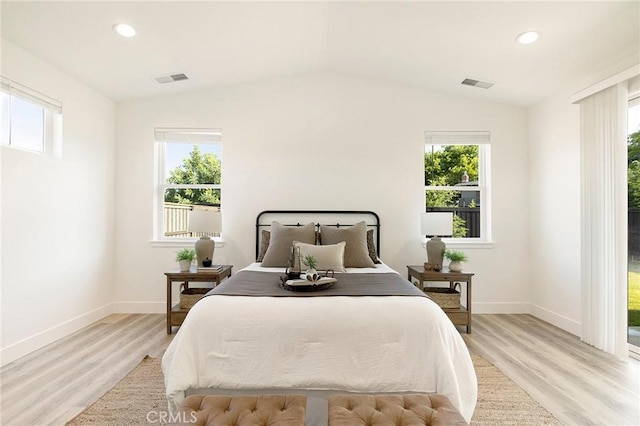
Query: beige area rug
139, 399
502, 402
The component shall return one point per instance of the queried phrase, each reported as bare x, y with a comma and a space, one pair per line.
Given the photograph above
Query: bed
381, 342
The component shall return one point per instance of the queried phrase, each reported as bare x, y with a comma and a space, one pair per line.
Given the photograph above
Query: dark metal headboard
336, 218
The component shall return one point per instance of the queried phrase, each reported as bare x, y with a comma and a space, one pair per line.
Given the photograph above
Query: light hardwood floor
55, 383
577, 383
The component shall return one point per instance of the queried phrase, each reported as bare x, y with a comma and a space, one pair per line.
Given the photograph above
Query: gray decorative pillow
264, 244
281, 240
356, 252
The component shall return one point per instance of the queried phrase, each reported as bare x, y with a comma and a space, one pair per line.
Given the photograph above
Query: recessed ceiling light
125, 30
528, 37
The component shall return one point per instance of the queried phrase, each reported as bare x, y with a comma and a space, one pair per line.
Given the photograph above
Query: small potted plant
185, 258
456, 258
311, 263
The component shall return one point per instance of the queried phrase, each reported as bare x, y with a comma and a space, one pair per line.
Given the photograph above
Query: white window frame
634, 351
483, 140
172, 135
52, 110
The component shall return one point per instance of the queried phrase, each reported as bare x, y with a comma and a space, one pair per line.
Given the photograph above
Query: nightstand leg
168, 305
469, 305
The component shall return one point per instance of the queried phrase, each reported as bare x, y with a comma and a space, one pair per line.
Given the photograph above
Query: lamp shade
205, 221
437, 224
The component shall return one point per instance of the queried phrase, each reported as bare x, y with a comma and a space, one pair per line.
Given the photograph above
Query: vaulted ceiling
431, 45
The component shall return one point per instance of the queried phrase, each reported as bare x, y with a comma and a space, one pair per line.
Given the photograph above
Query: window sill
181, 242
453, 244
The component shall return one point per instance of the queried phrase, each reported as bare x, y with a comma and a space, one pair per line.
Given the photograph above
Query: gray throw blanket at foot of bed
267, 284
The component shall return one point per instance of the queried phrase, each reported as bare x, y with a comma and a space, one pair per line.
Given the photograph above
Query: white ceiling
432, 45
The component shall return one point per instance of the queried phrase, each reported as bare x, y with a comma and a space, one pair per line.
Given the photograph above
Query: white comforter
359, 344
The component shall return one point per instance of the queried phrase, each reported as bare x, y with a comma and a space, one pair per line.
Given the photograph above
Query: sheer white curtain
603, 135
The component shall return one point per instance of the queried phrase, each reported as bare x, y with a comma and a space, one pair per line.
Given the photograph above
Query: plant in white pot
455, 258
185, 258
311, 263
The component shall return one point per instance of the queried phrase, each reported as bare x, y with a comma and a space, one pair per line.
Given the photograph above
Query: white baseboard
501, 308
139, 307
567, 324
50, 335
546, 315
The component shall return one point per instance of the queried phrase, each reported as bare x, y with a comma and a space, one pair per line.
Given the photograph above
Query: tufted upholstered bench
220, 410
393, 410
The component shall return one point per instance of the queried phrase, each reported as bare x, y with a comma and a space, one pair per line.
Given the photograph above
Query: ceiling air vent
476, 83
171, 78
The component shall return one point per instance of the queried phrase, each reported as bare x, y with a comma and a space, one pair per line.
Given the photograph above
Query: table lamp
207, 222
436, 225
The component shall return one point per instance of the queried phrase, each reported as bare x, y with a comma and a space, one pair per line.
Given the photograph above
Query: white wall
57, 216
321, 141
554, 211
554, 203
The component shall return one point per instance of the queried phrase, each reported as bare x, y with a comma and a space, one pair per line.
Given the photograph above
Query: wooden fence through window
176, 219
471, 216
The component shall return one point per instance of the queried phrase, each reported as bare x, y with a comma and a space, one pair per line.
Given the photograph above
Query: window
189, 166
456, 178
31, 120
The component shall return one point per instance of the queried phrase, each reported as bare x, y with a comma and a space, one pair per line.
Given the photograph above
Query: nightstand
175, 315
459, 316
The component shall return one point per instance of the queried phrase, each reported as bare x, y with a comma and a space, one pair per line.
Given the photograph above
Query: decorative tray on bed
304, 285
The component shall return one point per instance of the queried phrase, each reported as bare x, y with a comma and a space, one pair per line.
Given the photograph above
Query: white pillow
328, 256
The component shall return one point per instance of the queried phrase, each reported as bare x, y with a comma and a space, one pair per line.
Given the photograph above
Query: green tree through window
197, 168
633, 176
444, 166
